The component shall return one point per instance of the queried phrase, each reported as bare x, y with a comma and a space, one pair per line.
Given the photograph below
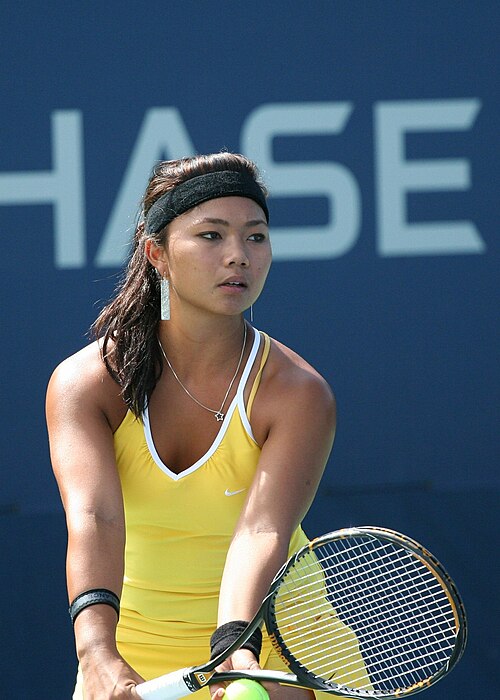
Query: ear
157, 256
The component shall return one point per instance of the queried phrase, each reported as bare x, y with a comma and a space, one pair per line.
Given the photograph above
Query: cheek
182, 262
262, 273
265, 264
185, 276
263, 257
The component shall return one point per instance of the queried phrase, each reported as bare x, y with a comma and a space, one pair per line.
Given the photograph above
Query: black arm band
95, 596
229, 632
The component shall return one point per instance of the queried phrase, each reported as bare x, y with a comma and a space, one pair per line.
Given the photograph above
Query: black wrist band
229, 632
95, 596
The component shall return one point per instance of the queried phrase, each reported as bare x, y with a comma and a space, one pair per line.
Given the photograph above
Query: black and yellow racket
362, 612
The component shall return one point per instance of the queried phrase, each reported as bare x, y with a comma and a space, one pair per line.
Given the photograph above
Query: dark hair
128, 324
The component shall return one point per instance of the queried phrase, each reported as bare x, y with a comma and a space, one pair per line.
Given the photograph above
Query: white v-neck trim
238, 400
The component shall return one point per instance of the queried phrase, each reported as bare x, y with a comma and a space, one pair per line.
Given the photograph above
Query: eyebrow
210, 220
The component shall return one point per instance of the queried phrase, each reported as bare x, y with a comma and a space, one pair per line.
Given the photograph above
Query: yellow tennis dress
179, 527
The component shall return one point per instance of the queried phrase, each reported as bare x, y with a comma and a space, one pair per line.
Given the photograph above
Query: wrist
101, 651
95, 632
229, 632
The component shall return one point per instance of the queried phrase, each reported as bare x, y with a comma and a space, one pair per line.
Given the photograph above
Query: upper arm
300, 413
81, 440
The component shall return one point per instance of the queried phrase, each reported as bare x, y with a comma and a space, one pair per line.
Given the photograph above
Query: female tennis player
187, 445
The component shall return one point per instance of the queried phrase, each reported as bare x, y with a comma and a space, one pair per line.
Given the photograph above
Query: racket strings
428, 593
344, 645
305, 649
370, 598
366, 614
358, 571
392, 621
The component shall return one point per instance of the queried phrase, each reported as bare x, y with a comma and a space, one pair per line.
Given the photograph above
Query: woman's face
218, 255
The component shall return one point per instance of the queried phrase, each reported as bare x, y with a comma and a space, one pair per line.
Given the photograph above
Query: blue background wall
376, 126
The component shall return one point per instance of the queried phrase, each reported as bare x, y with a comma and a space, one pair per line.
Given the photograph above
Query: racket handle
171, 686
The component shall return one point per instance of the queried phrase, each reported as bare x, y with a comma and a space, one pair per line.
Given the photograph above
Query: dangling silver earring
251, 313
164, 299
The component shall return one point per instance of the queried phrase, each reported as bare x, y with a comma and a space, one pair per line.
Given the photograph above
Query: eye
210, 235
258, 237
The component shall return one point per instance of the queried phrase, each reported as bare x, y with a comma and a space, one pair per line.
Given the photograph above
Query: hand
244, 660
109, 679
241, 660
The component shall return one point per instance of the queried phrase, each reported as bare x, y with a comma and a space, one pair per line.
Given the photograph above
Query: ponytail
128, 326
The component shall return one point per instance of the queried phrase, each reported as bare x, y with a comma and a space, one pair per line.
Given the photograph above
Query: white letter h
63, 187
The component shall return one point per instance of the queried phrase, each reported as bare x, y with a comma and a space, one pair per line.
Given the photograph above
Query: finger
243, 659
217, 691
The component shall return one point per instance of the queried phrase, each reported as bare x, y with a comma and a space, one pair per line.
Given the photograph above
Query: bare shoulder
289, 374
81, 372
82, 380
293, 395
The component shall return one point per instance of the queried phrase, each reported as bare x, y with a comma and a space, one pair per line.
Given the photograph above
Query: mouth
234, 284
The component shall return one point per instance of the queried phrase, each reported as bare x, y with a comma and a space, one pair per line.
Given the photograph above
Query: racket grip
171, 686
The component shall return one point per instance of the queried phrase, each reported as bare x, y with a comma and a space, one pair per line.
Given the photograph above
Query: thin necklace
219, 415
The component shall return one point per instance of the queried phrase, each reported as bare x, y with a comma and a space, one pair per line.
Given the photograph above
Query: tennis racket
362, 613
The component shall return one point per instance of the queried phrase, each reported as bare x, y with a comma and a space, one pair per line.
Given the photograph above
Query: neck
205, 346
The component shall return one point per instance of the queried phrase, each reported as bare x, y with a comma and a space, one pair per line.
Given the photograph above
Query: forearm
95, 560
252, 562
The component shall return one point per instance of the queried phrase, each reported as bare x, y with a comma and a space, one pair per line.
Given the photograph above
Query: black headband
188, 194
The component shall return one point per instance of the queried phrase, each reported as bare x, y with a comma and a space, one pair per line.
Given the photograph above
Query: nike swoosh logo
227, 492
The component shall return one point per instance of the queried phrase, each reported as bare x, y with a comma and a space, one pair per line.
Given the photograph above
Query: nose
236, 255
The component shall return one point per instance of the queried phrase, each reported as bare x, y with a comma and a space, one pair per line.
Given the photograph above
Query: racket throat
198, 679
